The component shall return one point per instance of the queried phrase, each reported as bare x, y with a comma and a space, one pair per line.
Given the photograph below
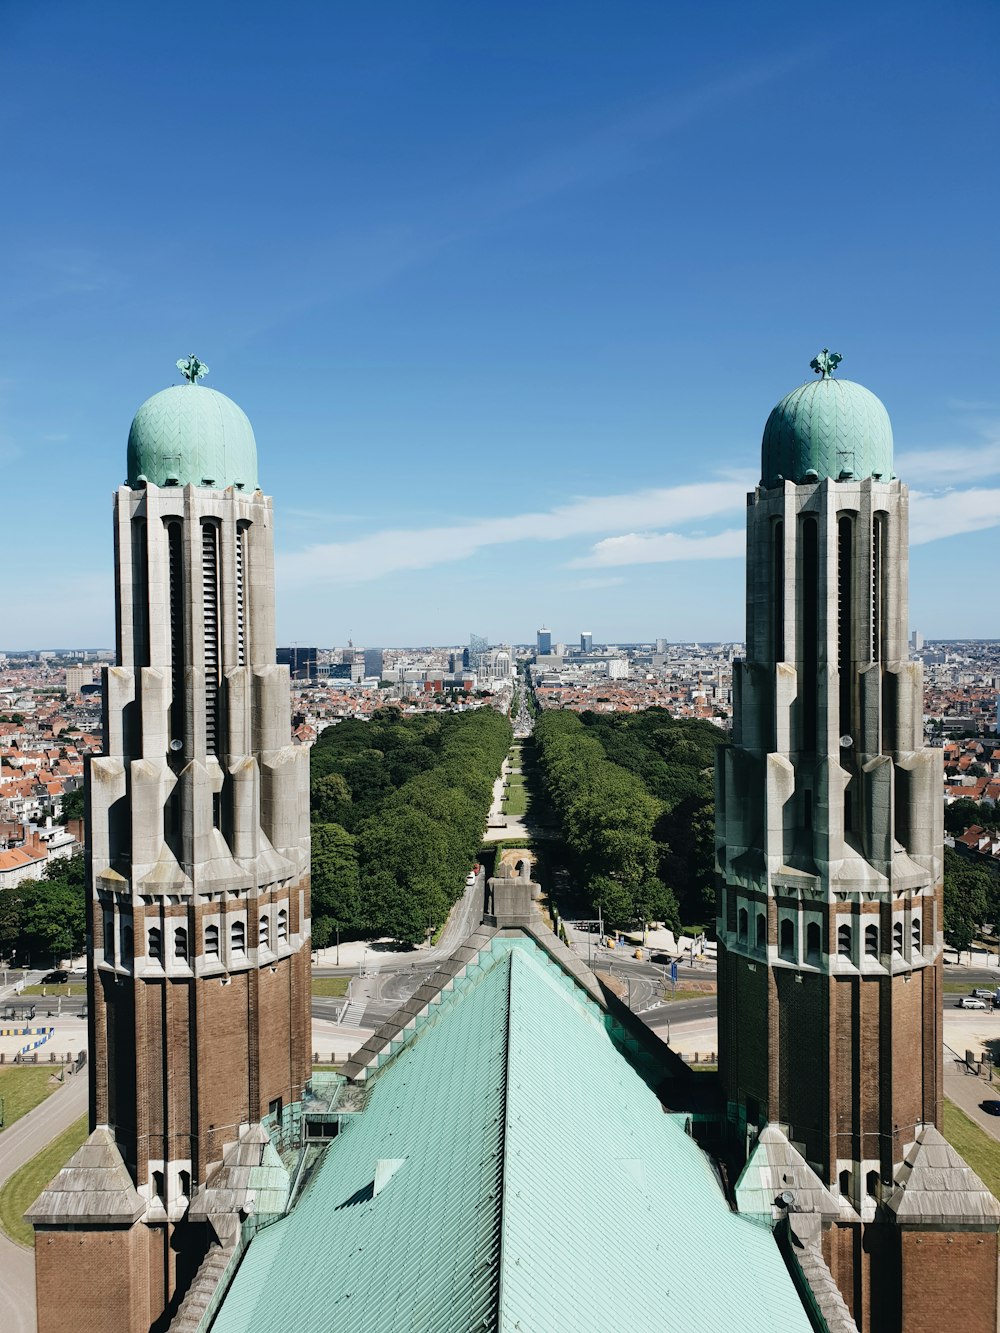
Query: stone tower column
829, 835
198, 847
829, 841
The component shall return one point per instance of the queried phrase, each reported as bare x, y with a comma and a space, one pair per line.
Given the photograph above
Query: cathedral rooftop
511, 1168
827, 427
190, 434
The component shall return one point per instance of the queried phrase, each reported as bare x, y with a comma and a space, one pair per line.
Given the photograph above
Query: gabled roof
935, 1185
510, 1169
93, 1187
776, 1167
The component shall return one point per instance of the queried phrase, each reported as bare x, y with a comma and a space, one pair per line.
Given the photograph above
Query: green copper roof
192, 434
511, 1170
826, 428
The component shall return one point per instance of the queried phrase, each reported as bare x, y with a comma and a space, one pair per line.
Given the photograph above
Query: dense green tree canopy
44, 920
610, 820
970, 899
411, 794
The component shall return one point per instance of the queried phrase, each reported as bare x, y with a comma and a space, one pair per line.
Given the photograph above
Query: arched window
871, 1183
761, 930
897, 937
845, 1182
238, 939
264, 933
871, 941
211, 941
787, 940
184, 1183
181, 944
915, 942
128, 944
742, 923
158, 1190
282, 925
844, 941
813, 942
109, 937
154, 946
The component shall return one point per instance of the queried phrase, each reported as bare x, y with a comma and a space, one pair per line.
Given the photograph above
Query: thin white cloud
951, 464
952, 513
648, 548
385, 552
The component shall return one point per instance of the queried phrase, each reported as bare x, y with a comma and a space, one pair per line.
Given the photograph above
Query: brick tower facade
829, 852
198, 872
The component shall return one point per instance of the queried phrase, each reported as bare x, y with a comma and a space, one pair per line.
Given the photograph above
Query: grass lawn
330, 985
22, 1087
52, 989
980, 1150
967, 987
516, 800
683, 994
25, 1185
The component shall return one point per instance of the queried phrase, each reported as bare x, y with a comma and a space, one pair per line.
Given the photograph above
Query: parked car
470, 879
991, 1108
971, 1002
981, 993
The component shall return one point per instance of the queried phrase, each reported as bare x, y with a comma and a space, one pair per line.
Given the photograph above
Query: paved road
389, 984
19, 1143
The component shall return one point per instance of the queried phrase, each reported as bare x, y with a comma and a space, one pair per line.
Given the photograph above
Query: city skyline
512, 302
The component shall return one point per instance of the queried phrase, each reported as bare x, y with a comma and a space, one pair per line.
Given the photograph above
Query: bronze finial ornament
824, 364
192, 369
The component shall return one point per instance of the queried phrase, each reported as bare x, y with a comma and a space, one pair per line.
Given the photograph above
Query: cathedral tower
829, 851
198, 872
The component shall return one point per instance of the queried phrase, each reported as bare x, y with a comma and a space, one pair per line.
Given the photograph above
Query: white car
971, 1002
470, 879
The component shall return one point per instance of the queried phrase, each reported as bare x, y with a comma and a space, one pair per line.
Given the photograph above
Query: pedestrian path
18, 1145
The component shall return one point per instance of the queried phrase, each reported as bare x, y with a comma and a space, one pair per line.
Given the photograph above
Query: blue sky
507, 291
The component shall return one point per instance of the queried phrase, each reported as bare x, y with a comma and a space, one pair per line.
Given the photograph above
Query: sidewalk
976, 959
968, 1091
17, 1145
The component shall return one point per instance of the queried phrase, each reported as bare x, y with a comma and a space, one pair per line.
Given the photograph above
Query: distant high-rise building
586, 641
373, 662
77, 677
661, 645
543, 643
301, 662
479, 649
917, 641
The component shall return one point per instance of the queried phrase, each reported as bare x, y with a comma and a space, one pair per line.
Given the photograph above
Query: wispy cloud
382, 250
647, 548
654, 526
953, 463
952, 513
385, 552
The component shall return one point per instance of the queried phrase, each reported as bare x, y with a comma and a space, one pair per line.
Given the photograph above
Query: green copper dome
826, 428
191, 434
